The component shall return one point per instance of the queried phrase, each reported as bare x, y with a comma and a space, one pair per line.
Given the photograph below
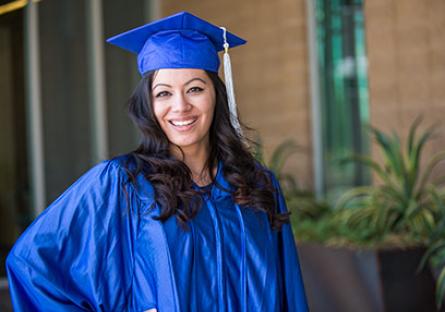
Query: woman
187, 222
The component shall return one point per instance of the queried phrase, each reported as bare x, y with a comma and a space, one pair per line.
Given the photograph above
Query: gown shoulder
78, 253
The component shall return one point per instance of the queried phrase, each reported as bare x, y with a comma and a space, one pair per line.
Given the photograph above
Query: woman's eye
195, 90
162, 94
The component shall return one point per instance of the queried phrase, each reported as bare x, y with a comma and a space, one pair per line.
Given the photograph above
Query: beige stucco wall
270, 72
406, 52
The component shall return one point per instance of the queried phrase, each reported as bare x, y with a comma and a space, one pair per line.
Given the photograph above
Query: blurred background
312, 78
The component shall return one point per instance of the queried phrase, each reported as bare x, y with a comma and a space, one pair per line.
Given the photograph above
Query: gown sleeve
76, 256
294, 293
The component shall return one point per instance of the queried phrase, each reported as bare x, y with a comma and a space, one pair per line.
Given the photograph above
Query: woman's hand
151, 310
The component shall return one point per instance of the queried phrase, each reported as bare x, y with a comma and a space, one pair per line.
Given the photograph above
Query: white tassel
229, 86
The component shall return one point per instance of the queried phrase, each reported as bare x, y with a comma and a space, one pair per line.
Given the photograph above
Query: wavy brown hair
171, 178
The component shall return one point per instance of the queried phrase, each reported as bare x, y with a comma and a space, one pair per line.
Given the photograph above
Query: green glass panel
344, 91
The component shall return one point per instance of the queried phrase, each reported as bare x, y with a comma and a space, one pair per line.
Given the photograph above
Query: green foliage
403, 209
406, 207
278, 159
405, 202
436, 253
301, 203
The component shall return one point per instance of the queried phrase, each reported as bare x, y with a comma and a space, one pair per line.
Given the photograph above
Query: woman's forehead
178, 75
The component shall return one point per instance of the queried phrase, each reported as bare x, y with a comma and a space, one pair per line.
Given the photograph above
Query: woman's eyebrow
196, 78
160, 85
188, 82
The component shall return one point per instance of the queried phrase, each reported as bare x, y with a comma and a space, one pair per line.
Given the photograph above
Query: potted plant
388, 225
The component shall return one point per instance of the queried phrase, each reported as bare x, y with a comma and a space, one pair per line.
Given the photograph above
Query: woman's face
183, 103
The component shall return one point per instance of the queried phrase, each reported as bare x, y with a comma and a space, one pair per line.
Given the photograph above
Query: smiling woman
188, 221
183, 103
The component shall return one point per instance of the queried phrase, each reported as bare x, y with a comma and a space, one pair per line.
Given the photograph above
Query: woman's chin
190, 143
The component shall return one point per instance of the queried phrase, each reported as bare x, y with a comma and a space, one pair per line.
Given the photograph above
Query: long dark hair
171, 178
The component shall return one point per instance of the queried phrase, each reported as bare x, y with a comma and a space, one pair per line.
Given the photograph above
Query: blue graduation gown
97, 248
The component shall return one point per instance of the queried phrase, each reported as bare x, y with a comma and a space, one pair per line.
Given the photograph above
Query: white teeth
182, 123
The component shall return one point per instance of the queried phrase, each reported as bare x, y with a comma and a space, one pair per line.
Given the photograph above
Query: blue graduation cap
182, 40
178, 41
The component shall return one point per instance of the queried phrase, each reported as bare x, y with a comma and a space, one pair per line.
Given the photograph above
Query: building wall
406, 52
270, 72
406, 59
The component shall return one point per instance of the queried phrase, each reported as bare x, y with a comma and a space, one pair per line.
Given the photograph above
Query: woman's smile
183, 124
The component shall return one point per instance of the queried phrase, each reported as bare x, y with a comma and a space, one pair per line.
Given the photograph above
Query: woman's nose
180, 103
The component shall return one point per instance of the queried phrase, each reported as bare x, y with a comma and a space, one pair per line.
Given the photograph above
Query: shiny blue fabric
97, 248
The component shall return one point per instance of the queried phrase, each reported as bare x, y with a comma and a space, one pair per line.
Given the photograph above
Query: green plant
278, 159
301, 203
407, 207
436, 254
406, 203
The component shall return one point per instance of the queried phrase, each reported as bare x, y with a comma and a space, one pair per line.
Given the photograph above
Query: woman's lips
183, 124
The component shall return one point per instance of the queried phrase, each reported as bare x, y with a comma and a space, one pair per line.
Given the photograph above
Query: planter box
342, 279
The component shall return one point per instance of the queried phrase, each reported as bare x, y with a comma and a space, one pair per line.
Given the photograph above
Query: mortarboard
182, 40
177, 41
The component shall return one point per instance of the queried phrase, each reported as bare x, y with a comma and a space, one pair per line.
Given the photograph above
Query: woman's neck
196, 159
